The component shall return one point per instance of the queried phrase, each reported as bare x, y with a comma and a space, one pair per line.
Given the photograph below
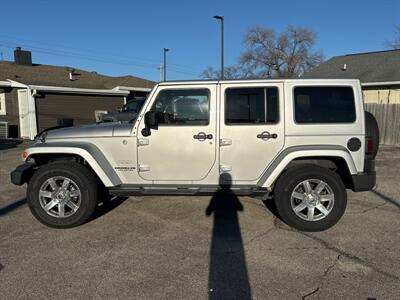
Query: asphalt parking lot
195, 248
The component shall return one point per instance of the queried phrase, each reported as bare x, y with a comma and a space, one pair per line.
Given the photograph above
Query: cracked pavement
169, 247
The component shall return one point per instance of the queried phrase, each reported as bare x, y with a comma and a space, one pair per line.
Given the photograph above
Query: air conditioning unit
3, 130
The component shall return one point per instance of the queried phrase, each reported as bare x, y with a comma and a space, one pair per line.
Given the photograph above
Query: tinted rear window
247, 106
324, 105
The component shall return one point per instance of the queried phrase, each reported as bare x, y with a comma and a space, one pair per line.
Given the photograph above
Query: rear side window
334, 104
251, 106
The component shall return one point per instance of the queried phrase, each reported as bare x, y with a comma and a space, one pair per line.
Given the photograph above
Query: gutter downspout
32, 118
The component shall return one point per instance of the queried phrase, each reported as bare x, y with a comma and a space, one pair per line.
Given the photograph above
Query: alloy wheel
312, 200
60, 197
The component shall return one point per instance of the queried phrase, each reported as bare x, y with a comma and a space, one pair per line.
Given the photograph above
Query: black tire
372, 131
287, 183
81, 176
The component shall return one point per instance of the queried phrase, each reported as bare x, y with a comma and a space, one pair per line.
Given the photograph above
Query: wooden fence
388, 117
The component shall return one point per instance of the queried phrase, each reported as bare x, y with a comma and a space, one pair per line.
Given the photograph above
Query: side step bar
135, 190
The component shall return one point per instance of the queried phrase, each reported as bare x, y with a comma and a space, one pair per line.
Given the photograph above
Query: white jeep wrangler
304, 142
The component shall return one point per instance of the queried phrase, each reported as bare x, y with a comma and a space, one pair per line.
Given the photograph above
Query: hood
90, 131
120, 116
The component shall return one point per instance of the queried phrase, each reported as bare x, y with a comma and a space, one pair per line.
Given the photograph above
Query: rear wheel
310, 198
62, 194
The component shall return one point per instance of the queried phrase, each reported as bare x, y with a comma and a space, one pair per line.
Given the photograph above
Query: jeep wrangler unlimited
304, 142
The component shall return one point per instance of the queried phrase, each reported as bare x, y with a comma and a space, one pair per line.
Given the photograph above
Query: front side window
332, 104
183, 107
251, 106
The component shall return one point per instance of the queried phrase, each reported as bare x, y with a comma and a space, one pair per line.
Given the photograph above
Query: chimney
22, 57
71, 73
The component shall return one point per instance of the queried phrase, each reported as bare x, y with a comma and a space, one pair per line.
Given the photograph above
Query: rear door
251, 129
183, 148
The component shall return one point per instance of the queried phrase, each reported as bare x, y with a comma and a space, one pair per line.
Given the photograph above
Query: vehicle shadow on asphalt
270, 205
8, 144
11, 207
106, 206
228, 276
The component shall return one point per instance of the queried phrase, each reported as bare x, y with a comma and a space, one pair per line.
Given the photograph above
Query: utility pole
165, 64
161, 72
221, 18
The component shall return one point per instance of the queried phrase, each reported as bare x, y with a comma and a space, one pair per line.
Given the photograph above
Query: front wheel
310, 198
62, 194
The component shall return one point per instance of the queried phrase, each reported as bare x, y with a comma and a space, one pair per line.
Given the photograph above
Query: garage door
51, 108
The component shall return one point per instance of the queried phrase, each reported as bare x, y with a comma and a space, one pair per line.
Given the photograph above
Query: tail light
370, 145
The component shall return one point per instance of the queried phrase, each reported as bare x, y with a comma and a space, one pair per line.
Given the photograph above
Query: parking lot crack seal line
326, 272
328, 269
386, 198
341, 252
259, 236
351, 257
367, 210
310, 294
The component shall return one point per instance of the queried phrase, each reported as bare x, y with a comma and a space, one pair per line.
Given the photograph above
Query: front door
183, 148
252, 129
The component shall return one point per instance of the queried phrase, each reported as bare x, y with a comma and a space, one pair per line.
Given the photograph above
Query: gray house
34, 97
379, 73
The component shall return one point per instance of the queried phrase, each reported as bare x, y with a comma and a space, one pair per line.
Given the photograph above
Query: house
34, 96
379, 73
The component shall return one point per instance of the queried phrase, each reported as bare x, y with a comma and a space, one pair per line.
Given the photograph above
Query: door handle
225, 142
202, 136
266, 136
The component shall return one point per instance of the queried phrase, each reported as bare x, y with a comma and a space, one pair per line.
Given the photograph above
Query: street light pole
221, 18
165, 64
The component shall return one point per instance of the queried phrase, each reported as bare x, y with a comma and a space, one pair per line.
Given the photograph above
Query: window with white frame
2, 103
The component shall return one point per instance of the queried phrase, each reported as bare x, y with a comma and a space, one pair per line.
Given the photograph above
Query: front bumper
22, 174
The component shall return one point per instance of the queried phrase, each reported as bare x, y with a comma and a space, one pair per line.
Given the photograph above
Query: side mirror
151, 120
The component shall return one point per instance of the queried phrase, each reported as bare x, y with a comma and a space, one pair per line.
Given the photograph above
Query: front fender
287, 155
88, 151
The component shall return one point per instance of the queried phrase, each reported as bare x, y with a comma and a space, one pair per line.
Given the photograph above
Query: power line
77, 55
33, 43
138, 62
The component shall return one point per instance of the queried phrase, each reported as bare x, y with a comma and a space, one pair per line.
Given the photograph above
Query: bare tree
231, 72
395, 44
287, 55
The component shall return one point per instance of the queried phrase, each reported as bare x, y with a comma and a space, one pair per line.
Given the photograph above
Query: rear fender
280, 162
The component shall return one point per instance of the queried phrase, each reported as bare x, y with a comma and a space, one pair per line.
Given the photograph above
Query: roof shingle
59, 76
381, 66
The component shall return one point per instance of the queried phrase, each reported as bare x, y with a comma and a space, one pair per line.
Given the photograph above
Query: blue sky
127, 37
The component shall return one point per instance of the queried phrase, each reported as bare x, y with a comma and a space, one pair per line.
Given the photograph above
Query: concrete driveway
196, 248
